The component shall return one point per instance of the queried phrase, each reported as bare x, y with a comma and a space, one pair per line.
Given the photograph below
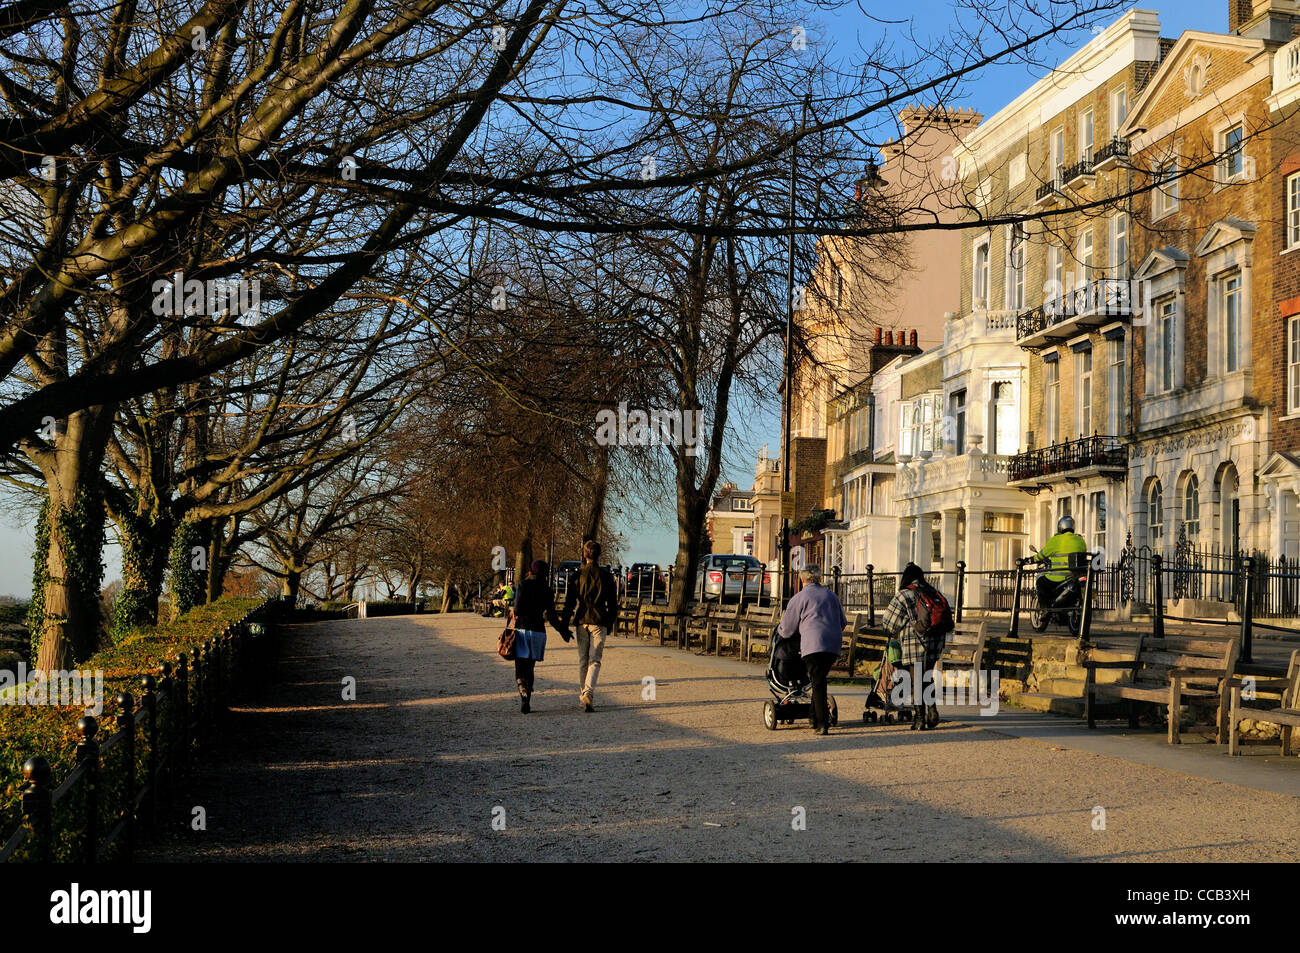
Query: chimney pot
913, 337
889, 338
878, 335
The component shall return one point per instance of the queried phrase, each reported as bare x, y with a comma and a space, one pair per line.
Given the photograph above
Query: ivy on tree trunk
188, 581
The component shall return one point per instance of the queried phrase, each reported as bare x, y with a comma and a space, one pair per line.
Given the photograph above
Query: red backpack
933, 614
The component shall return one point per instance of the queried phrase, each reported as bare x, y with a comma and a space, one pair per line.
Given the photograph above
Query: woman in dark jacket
534, 607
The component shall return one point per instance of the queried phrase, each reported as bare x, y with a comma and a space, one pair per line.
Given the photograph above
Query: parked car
644, 580
564, 572
723, 578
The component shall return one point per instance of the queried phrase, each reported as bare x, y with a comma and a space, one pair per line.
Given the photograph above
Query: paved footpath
434, 748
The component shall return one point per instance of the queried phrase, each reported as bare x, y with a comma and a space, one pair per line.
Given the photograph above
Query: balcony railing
1111, 151
1077, 171
1047, 191
1111, 298
1097, 452
1286, 66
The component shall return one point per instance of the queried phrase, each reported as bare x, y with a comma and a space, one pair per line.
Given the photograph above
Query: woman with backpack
534, 606
919, 617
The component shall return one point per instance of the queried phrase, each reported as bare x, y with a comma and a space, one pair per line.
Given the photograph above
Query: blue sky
987, 92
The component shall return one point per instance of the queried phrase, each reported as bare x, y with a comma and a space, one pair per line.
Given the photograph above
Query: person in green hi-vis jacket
1057, 553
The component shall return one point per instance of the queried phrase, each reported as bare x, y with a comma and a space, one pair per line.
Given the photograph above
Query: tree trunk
690, 532
291, 583
446, 593
73, 564
599, 491
524, 558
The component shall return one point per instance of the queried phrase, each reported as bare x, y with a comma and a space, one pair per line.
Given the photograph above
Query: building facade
1125, 344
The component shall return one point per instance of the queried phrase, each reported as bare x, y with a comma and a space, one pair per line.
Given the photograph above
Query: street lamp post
871, 180
788, 373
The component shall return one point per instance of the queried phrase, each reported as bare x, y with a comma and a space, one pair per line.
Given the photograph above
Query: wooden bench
698, 623
724, 624
656, 621
628, 614
756, 628
964, 650
1287, 716
1171, 671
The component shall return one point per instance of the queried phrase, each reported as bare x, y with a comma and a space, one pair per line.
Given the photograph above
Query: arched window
1155, 516
1192, 507
1229, 529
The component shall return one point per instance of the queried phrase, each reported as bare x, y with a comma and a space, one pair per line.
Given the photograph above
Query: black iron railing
1100, 297
1115, 149
1077, 171
1031, 322
1046, 190
1097, 451
122, 779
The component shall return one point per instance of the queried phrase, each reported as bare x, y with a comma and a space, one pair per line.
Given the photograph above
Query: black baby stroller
787, 678
880, 685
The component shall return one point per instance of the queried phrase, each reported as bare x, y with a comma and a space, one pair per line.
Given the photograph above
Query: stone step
1103, 674
1056, 704
1065, 687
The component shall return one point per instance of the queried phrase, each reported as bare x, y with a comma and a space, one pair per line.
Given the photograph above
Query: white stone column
924, 541
950, 552
974, 554
905, 526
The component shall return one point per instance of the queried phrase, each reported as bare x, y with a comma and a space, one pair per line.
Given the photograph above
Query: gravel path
434, 748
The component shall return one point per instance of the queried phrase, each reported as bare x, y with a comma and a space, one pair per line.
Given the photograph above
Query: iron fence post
168, 684
1014, 631
961, 589
1158, 609
1247, 608
1085, 622
88, 757
871, 594
37, 805
182, 727
149, 702
126, 725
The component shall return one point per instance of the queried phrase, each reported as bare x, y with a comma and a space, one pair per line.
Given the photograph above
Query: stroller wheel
769, 716
834, 711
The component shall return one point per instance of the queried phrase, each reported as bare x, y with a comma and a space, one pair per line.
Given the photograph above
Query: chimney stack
1263, 19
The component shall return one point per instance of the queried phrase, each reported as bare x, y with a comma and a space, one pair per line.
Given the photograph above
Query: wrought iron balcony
1081, 309
1079, 170
1086, 456
1030, 322
1047, 192
1109, 154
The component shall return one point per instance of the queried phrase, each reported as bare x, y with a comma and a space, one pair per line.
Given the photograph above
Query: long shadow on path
434, 762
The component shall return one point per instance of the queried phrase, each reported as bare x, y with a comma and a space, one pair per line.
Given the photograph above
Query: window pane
1231, 149
1232, 323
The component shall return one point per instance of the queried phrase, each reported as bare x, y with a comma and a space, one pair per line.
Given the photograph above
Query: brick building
1210, 344
1062, 153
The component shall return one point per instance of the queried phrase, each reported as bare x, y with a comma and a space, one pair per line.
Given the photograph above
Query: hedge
51, 731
